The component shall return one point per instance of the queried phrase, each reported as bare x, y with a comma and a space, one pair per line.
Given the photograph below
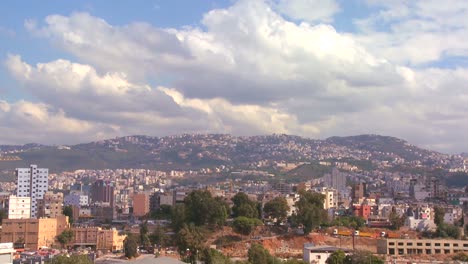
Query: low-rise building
19, 207
319, 254
33, 233
421, 246
101, 239
50, 205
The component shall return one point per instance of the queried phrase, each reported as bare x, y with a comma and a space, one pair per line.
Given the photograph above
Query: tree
337, 257
73, 259
396, 220
178, 217
190, 240
310, 212
360, 257
144, 239
446, 230
212, 256
3, 215
163, 212
259, 255
219, 212
439, 214
68, 211
203, 209
131, 246
65, 237
158, 237
276, 208
198, 204
244, 225
243, 206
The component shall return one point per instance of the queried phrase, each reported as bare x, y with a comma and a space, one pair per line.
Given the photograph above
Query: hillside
199, 151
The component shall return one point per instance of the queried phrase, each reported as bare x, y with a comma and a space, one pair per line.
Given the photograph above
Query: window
409, 243
446, 245
428, 244
419, 244
437, 244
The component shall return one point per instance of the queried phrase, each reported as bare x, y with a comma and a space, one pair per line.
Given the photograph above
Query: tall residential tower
32, 182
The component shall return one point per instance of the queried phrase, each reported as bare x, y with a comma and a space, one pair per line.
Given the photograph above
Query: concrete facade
34, 233
19, 207
32, 182
102, 239
399, 247
141, 204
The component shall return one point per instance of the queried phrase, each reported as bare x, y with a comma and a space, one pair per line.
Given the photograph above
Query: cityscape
234, 132
377, 195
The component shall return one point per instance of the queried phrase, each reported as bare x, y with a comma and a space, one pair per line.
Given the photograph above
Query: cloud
24, 121
309, 10
416, 32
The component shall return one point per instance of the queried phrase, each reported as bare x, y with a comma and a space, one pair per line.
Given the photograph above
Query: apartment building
101, 239
19, 207
33, 233
50, 206
421, 246
32, 182
141, 204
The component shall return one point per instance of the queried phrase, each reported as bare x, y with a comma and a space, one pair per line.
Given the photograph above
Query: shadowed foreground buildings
33, 233
43, 232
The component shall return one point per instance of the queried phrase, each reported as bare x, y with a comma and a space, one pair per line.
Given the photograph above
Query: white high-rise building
32, 182
19, 207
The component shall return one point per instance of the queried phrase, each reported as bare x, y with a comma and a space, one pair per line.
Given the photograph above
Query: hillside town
307, 209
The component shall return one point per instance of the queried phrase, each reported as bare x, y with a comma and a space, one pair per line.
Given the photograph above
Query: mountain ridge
210, 150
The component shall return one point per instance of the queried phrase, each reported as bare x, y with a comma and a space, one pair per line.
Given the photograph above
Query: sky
80, 71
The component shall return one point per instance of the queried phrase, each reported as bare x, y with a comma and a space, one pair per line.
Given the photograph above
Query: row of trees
358, 257
201, 214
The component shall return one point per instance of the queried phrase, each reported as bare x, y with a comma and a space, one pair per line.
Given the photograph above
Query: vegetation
439, 213
244, 225
189, 241
457, 179
305, 172
3, 215
243, 206
446, 230
259, 255
131, 246
354, 222
65, 237
212, 256
178, 216
337, 257
396, 220
164, 212
159, 237
68, 211
358, 257
73, 259
310, 212
277, 209
144, 238
461, 257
